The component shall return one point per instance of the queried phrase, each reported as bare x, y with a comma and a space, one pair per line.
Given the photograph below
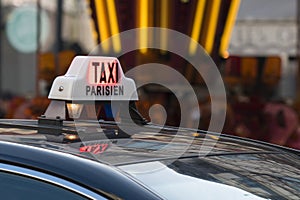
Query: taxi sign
93, 78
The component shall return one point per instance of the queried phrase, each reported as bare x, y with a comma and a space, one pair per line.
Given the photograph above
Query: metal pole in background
58, 43
298, 49
38, 46
1, 29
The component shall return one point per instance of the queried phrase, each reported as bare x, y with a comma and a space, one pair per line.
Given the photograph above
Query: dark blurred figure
282, 121
5, 99
249, 117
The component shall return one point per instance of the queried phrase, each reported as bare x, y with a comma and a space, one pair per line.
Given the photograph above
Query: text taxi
92, 143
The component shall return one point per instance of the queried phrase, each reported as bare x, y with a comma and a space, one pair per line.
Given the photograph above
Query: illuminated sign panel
103, 73
102, 79
94, 78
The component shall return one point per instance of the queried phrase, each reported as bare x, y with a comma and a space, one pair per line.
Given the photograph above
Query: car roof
96, 176
144, 143
104, 152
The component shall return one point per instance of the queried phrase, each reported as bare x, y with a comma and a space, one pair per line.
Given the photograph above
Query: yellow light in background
164, 12
232, 13
102, 24
213, 15
114, 25
197, 26
143, 39
225, 54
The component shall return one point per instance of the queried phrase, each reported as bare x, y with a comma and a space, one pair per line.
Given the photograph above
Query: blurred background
254, 43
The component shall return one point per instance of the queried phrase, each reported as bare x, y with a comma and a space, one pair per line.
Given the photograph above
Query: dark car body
151, 162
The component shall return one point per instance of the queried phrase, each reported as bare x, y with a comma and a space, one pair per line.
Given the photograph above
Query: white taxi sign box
94, 78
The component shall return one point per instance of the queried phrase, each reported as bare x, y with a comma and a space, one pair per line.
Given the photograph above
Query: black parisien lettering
116, 90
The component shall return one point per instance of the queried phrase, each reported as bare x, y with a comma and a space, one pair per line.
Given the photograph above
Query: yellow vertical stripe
213, 15
102, 24
113, 21
197, 26
232, 13
143, 14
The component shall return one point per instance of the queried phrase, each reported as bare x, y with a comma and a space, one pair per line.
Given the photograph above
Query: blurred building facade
257, 53
269, 29
22, 57
262, 73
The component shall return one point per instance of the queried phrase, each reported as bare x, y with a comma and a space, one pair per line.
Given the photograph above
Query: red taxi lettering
108, 72
103, 78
